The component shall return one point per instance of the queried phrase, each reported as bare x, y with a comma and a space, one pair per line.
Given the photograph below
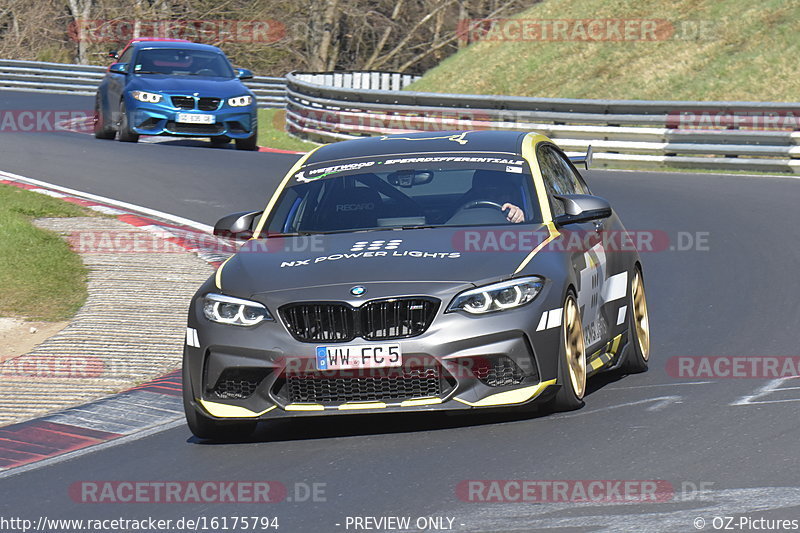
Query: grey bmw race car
419, 272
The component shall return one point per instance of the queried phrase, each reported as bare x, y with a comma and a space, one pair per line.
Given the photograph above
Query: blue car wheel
125, 133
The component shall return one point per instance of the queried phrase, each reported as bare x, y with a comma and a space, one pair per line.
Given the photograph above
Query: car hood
438, 255
189, 85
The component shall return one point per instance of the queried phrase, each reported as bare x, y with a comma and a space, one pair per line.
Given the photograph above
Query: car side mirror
237, 226
585, 160
582, 208
244, 74
118, 68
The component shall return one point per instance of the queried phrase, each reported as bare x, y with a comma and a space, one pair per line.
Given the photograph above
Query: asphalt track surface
733, 296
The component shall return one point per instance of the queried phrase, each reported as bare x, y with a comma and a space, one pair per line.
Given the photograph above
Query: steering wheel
480, 203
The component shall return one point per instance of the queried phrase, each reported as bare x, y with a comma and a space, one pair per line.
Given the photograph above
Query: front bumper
470, 362
162, 119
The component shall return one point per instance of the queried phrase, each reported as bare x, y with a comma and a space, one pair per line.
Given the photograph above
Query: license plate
361, 356
195, 118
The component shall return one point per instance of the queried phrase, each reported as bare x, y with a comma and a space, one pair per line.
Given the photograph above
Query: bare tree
81, 11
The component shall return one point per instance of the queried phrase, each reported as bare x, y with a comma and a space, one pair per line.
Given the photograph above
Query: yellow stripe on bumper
221, 410
510, 397
304, 407
361, 405
420, 401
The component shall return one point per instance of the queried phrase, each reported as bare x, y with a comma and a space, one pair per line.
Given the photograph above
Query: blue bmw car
176, 88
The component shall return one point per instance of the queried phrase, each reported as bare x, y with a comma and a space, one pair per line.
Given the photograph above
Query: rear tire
638, 328
125, 133
572, 360
250, 144
206, 428
101, 128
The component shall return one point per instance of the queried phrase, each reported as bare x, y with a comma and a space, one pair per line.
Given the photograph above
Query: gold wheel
574, 348
641, 321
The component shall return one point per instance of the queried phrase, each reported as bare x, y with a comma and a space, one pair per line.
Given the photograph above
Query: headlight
235, 311
240, 101
498, 296
144, 96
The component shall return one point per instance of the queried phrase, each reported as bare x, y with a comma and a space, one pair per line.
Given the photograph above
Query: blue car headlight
240, 101
497, 296
234, 311
144, 96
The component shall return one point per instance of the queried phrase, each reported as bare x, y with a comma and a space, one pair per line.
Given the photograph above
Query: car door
593, 263
116, 85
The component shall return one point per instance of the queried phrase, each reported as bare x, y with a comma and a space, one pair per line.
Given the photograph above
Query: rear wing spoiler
584, 160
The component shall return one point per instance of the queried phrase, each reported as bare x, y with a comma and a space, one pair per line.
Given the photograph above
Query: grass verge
709, 50
271, 132
41, 278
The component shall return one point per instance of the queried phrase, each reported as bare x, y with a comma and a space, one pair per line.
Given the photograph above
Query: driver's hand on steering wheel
514, 214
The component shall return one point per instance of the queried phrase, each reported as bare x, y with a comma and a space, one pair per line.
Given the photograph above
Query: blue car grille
203, 103
208, 104
183, 102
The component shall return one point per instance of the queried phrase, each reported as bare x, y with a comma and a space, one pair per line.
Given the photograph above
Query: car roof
176, 44
482, 141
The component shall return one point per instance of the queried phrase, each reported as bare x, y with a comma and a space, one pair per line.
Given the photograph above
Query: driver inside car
496, 187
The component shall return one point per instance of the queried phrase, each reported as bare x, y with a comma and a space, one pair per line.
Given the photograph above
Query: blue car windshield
179, 62
406, 192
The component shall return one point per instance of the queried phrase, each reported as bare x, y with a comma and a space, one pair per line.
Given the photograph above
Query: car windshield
180, 62
406, 191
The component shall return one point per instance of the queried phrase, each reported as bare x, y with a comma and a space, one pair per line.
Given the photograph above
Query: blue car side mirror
244, 74
118, 68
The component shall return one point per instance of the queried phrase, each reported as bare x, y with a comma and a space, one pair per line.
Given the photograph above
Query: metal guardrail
60, 78
622, 133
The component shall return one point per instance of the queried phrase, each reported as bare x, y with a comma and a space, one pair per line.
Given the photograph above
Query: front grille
395, 319
183, 102
320, 322
326, 387
376, 320
208, 104
238, 383
198, 129
497, 371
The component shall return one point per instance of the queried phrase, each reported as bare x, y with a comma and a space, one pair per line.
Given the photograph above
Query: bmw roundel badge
358, 290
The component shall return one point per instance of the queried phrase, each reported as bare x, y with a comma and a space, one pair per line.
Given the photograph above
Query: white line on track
102, 199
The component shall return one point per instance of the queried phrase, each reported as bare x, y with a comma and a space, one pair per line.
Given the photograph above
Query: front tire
572, 360
250, 144
206, 428
638, 328
125, 133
